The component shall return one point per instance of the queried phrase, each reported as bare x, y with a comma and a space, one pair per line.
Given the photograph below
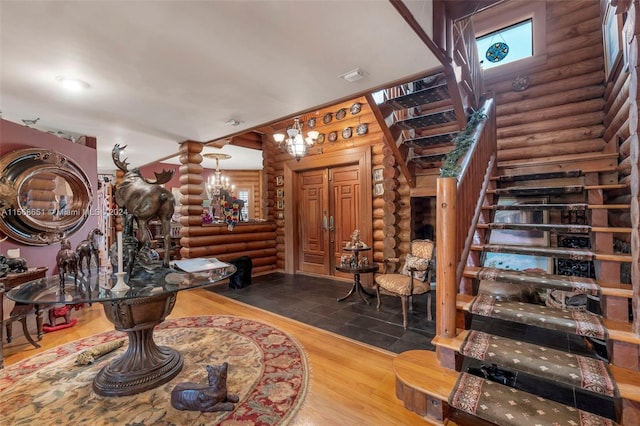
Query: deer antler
115, 155
163, 177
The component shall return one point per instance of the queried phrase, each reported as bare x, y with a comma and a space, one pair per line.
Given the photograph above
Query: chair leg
378, 296
9, 328
404, 311
429, 317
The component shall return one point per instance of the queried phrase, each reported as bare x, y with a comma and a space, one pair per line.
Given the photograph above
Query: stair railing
459, 202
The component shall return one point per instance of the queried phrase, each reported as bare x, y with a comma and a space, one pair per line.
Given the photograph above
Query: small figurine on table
355, 242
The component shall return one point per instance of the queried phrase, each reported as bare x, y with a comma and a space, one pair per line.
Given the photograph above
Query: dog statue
206, 398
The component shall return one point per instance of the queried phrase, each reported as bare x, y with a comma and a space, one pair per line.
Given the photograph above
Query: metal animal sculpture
198, 397
89, 248
67, 261
17, 264
145, 200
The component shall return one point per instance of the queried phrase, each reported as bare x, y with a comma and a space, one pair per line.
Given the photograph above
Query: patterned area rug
507, 406
575, 370
577, 322
268, 370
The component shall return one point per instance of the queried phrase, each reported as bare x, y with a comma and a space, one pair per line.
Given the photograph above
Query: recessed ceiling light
73, 84
233, 122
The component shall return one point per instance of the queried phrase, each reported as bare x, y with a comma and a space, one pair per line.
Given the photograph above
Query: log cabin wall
561, 110
391, 213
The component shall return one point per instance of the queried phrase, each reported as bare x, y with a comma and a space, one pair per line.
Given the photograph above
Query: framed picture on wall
280, 205
378, 189
280, 215
280, 193
377, 175
612, 39
279, 180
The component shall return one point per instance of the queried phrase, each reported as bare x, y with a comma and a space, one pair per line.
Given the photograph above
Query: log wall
391, 213
561, 111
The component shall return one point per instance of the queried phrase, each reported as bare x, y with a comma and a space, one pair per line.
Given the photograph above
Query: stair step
556, 252
576, 322
565, 207
427, 120
544, 190
540, 280
536, 176
546, 227
507, 406
572, 370
429, 141
423, 96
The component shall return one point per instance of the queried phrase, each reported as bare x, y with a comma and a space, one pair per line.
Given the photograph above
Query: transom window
506, 45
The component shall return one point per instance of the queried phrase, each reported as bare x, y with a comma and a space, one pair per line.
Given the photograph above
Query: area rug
268, 370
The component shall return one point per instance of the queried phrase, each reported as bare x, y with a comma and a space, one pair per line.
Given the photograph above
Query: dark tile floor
313, 301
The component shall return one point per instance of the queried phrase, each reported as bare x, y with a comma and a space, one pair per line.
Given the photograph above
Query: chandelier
294, 142
217, 183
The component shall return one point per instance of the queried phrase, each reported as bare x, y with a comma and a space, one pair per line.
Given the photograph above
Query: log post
446, 255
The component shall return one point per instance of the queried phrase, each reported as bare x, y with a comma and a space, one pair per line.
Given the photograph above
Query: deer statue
206, 398
88, 248
145, 199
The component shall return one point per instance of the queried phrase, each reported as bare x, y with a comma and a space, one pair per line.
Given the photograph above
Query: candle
120, 267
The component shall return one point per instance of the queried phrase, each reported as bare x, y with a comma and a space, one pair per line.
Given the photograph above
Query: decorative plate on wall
362, 129
327, 118
346, 133
311, 123
333, 136
342, 113
320, 139
355, 108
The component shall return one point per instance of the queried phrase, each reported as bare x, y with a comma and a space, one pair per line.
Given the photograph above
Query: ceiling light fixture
353, 75
233, 122
296, 144
72, 84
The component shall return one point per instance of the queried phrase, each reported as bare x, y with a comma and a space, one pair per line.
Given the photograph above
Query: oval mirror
45, 196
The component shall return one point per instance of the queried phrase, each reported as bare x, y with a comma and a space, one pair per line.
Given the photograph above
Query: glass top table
135, 311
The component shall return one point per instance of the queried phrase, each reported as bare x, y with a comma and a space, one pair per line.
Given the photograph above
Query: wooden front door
330, 202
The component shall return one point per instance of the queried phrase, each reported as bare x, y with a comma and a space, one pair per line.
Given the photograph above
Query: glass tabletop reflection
97, 287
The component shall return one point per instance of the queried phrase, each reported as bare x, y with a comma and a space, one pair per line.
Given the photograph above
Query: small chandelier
296, 144
216, 183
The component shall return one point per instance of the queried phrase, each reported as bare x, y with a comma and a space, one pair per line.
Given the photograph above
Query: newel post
446, 257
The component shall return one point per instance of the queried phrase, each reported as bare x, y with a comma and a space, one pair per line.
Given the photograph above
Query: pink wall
13, 137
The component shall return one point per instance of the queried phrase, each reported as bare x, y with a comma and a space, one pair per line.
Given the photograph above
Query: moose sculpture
207, 398
145, 200
89, 248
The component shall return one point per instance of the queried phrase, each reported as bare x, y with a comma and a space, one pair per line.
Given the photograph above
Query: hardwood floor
350, 383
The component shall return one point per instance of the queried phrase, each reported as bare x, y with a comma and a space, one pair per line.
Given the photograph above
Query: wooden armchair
414, 277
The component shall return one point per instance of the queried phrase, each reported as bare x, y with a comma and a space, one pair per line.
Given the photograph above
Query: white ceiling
162, 72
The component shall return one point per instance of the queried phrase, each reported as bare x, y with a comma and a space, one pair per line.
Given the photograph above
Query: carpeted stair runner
427, 120
558, 366
507, 406
557, 252
541, 280
577, 322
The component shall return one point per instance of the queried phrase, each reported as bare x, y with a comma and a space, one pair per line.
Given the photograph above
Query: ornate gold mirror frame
45, 196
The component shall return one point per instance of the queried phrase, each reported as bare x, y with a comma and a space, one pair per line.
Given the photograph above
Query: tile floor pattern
313, 301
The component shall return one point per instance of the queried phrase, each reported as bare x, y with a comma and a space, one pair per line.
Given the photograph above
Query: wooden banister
456, 224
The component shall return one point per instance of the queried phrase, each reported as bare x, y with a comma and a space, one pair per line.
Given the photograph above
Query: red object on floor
49, 328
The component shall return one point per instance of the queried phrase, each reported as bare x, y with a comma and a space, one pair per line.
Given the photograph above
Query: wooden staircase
540, 246
422, 120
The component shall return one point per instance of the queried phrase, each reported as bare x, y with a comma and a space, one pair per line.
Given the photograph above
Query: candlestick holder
121, 285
